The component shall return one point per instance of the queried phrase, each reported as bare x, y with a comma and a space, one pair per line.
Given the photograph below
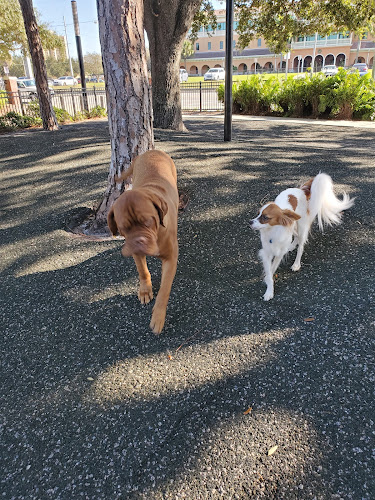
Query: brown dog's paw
157, 320
145, 294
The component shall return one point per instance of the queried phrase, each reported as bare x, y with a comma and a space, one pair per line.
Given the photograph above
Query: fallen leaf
309, 319
272, 450
247, 411
90, 378
169, 356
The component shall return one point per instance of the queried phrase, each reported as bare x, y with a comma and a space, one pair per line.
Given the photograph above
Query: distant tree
12, 32
93, 64
280, 20
60, 67
128, 92
35, 46
187, 50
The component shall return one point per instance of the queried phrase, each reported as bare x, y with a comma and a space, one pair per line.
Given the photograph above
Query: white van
215, 74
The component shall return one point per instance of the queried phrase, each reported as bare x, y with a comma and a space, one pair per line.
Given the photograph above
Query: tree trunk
128, 91
167, 24
37, 56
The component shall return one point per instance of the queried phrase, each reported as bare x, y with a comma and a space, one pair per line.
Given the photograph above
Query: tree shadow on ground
98, 406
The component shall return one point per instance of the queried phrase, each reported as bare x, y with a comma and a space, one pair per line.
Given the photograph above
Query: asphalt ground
93, 405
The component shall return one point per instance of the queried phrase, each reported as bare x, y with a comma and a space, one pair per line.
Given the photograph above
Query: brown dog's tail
125, 174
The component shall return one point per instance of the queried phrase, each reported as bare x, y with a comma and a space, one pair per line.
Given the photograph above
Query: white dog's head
272, 215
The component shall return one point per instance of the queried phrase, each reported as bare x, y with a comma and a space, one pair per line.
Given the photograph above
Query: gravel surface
95, 406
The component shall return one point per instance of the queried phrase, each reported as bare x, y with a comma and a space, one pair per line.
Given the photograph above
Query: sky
52, 12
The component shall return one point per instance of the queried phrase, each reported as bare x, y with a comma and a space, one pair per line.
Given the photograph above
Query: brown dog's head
137, 215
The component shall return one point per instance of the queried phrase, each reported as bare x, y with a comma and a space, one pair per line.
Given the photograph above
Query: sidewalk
95, 406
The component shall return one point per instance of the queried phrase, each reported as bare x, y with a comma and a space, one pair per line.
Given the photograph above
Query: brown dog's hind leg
145, 286
159, 311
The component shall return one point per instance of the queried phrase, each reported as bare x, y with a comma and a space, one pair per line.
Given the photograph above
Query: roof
236, 53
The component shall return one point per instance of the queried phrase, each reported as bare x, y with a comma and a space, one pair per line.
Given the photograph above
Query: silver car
330, 70
27, 86
361, 67
215, 74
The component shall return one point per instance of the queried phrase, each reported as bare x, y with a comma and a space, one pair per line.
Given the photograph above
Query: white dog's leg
268, 274
303, 233
275, 264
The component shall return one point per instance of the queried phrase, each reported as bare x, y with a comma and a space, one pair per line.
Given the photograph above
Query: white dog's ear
288, 217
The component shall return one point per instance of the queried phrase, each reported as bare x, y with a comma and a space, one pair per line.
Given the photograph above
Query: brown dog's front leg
145, 286
159, 311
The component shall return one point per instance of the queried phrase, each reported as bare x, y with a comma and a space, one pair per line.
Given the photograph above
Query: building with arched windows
341, 49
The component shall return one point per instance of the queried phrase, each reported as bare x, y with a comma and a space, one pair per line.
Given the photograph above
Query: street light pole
228, 101
67, 49
79, 52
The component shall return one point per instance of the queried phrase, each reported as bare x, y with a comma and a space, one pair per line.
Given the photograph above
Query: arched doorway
340, 60
307, 62
371, 64
318, 63
268, 66
205, 68
242, 68
361, 59
255, 67
193, 70
330, 59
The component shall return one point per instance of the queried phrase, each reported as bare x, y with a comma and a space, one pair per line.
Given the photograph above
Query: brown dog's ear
111, 222
288, 217
161, 207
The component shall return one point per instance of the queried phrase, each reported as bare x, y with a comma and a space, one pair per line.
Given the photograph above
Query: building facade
341, 49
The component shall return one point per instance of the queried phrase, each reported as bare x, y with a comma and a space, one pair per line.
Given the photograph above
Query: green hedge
13, 120
343, 96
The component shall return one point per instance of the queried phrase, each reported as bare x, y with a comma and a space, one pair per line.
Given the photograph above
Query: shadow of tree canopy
95, 405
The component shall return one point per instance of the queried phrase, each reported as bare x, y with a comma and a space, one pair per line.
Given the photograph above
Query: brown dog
147, 217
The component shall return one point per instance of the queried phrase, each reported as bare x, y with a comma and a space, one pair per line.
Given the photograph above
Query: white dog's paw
296, 267
268, 295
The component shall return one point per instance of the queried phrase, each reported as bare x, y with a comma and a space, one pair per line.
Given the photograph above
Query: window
234, 43
235, 25
300, 39
259, 42
310, 38
220, 26
209, 46
346, 34
197, 46
332, 36
221, 45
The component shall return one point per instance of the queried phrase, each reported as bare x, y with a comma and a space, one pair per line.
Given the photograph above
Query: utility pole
228, 101
79, 52
67, 49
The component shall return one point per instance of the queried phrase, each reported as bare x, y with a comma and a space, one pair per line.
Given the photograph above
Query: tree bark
37, 56
167, 24
128, 92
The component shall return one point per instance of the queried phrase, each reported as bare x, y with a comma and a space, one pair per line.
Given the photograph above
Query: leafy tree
60, 67
187, 50
93, 64
37, 56
280, 20
12, 32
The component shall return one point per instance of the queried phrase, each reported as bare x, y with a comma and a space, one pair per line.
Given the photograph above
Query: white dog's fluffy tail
324, 204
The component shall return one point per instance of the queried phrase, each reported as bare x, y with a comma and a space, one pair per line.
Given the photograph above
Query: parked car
27, 86
330, 70
215, 74
183, 75
65, 80
361, 67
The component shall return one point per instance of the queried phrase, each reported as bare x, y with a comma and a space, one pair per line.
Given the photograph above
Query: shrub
97, 112
13, 120
62, 116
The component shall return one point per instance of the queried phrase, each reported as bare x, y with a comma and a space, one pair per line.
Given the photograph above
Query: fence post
21, 102
74, 104
200, 97
96, 102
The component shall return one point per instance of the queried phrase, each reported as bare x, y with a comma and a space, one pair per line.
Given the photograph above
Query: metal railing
70, 100
201, 96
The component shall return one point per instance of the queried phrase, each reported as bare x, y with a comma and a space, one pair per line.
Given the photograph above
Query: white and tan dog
285, 223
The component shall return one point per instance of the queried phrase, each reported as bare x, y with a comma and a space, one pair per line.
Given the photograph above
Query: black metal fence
197, 96
201, 96
71, 100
